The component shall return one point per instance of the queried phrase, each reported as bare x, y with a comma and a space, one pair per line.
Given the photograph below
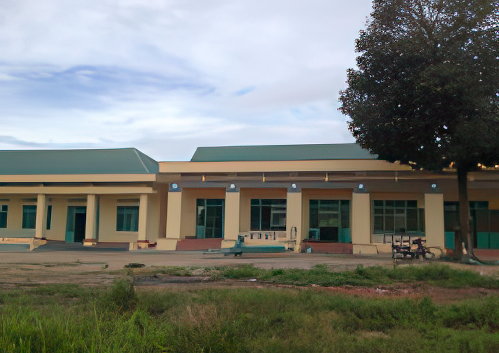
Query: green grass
433, 274
69, 318
121, 318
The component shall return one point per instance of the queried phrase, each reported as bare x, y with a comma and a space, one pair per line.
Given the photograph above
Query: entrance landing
324, 247
487, 254
199, 244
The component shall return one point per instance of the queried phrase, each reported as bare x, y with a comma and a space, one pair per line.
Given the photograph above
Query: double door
210, 218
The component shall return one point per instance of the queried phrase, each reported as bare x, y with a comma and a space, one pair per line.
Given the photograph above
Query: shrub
122, 294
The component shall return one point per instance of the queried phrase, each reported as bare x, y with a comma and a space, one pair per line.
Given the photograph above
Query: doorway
329, 220
210, 218
76, 223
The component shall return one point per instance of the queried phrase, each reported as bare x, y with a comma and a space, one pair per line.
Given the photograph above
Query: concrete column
143, 218
294, 204
434, 219
232, 209
41, 216
174, 215
91, 220
361, 222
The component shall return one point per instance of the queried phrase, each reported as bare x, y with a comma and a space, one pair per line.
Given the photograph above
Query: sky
167, 76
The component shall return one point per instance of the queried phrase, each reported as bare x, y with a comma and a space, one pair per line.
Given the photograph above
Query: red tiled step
199, 244
327, 247
487, 254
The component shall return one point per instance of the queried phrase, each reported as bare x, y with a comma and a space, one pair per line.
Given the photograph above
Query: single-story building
330, 198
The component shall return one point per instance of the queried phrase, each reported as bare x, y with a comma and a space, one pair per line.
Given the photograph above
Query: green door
75, 225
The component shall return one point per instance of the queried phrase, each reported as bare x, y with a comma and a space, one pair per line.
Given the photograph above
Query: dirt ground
115, 260
101, 268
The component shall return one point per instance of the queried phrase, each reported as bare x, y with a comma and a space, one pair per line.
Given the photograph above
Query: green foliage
122, 294
245, 320
426, 88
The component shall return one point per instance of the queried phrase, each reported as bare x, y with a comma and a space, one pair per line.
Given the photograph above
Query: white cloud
163, 74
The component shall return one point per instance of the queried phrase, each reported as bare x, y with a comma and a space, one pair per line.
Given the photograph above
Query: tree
426, 88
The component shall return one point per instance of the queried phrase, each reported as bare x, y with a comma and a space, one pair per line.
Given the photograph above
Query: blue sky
166, 76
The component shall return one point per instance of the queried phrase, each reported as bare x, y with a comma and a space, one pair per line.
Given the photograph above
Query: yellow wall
434, 220
231, 219
15, 217
174, 216
59, 218
294, 217
153, 218
280, 166
15, 213
361, 219
189, 197
491, 195
107, 222
162, 210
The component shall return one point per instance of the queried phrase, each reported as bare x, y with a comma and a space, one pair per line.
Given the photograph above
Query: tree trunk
464, 212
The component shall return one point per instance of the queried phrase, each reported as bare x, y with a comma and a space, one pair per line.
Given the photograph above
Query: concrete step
327, 247
199, 244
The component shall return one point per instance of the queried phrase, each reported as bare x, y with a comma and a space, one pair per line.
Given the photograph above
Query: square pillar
294, 206
434, 219
361, 222
231, 219
173, 219
142, 237
41, 216
91, 220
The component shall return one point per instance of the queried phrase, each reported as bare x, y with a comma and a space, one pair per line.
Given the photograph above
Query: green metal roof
281, 153
84, 161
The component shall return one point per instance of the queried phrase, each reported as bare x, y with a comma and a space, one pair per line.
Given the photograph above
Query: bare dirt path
116, 260
101, 268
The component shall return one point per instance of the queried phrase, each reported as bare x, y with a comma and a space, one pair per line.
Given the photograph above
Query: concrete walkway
116, 260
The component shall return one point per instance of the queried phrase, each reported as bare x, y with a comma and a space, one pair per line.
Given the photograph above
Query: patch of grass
121, 295
433, 274
241, 320
61, 290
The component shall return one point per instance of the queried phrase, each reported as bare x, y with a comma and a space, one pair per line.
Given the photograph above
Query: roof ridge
69, 149
285, 145
140, 159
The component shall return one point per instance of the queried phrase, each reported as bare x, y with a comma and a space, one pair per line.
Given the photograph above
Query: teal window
49, 216
484, 223
267, 214
29, 217
397, 216
3, 216
127, 219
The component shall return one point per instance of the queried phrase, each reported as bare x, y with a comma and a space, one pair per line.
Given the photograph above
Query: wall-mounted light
174, 186
361, 186
232, 186
433, 186
293, 186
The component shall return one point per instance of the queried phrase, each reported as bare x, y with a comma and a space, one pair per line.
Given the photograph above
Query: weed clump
134, 265
121, 295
